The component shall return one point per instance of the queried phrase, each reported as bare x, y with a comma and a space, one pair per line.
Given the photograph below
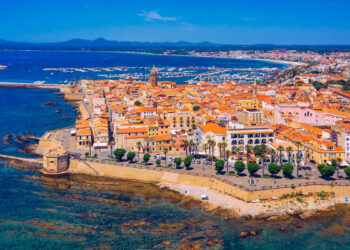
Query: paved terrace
200, 169
238, 181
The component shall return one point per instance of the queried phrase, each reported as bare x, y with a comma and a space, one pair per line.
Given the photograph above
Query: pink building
178, 142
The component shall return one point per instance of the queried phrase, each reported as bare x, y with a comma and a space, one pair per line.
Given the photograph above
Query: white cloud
249, 19
153, 15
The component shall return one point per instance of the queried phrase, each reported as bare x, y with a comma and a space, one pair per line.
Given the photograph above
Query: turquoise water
79, 212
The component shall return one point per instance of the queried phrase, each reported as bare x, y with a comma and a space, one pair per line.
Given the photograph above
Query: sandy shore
272, 209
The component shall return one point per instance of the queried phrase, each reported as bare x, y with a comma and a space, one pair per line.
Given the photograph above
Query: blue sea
27, 66
80, 212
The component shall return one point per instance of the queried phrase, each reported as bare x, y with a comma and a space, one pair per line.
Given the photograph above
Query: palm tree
111, 144
298, 159
227, 153
289, 150
220, 146
272, 153
263, 158
224, 146
90, 145
280, 149
238, 150
186, 143
248, 148
165, 151
212, 144
139, 144
339, 161
192, 146
205, 148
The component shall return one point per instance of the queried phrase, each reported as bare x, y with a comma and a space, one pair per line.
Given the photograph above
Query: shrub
288, 170
239, 166
130, 156
95, 155
146, 157
119, 153
219, 165
327, 171
87, 154
195, 108
253, 167
274, 168
177, 161
158, 162
320, 167
188, 161
347, 171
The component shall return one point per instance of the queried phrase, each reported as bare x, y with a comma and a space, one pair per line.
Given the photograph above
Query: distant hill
101, 44
98, 43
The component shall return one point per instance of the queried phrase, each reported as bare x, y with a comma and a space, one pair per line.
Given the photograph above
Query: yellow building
163, 141
322, 151
183, 119
250, 104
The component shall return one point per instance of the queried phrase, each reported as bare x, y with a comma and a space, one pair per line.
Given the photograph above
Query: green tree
195, 108
188, 161
146, 158
327, 171
178, 162
239, 166
347, 171
253, 167
219, 165
320, 166
274, 168
119, 153
158, 162
130, 156
288, 170
137, 103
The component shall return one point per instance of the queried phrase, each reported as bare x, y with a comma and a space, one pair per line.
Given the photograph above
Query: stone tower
55, 160
153, 77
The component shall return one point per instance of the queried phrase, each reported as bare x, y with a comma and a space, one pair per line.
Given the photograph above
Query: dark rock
282, 230
7, 138
21, 138
28, 148
48, 104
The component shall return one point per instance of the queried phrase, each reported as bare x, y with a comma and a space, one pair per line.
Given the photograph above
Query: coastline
266, 204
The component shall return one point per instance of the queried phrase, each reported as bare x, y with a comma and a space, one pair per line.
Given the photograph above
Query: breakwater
61, 87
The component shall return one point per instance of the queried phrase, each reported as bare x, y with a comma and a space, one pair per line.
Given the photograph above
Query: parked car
313, 162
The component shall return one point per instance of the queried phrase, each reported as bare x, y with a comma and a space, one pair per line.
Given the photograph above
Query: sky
219, 21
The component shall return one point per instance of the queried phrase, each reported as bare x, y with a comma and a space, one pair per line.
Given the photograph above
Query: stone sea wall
140, 173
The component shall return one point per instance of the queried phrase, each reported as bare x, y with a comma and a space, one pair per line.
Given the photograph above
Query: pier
61, 87
30, 161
